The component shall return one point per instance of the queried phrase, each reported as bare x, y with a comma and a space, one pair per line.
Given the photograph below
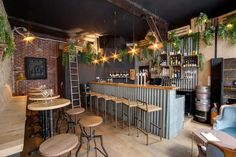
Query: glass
50, 91
45, 94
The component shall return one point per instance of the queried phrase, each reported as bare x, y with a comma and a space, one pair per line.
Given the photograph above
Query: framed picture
35, 68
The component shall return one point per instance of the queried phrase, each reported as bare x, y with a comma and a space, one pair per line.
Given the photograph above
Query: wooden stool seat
117, 100
131, 103
58, 145
75, 111
107, 97
149, 108
91, 121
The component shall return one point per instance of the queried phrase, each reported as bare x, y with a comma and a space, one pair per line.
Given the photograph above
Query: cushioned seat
227, 120
230, 130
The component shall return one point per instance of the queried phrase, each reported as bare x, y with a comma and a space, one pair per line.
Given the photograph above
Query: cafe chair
214, 150
226, 121
89, 123
144, 123
58, 145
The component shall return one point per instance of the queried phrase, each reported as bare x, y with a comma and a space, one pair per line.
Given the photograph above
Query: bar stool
73, 112
130, 105
91, 122
147, 109
58, 145
92, 94
98, 96
106, 99
116, 101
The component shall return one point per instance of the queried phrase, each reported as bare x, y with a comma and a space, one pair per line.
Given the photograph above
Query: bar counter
163, 96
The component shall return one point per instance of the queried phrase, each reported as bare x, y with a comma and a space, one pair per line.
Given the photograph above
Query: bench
12, 122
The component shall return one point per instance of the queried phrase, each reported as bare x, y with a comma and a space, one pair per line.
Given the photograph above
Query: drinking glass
50, 91
45, 95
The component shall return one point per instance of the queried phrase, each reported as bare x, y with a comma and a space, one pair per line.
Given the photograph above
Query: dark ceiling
98, 15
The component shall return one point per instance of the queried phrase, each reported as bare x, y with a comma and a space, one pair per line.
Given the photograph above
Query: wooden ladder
74, 81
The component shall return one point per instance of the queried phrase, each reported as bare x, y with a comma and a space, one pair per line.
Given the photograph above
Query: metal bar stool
92, 94
106, 99
116, 101
73, 112
130, 105
98, 96
91, 122
147, 109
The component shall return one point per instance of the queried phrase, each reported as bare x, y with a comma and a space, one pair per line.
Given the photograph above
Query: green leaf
10, 44
223, 32
208, 35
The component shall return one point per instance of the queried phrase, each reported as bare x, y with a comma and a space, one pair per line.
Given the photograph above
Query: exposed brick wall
38, 48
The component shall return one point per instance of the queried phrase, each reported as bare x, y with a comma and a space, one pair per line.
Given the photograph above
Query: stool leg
147, 125
97, 106
90, 105
95, 143
103, 148
86, 103
123, 117
105, 111
116, 115
128, 120
138, 115
80, 145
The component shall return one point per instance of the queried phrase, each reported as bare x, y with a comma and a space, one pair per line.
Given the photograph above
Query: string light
190, 31
133, 51
95, 61
115, 56
104, 59
229, 26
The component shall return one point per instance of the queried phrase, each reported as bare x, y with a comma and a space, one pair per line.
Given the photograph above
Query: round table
41, 98
49, 106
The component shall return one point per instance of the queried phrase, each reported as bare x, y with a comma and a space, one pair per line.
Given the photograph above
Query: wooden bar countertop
136, 85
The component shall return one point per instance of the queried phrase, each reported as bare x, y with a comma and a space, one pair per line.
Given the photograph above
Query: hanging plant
233, 36
223, 32
65, 59
175, 40
7, 38
208, 35
2, 29
201, 61
202, 19
123, 54
72, 51
89, 54
10, 44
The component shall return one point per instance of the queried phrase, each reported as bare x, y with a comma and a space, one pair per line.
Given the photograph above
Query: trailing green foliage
2, 29
72, 51
223, 32
202, 19
123, 54
208, 35
7, 38
89, 54
10, 44
201, 61
175, 40
65, 59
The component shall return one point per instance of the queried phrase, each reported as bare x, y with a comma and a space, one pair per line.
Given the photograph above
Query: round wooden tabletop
58, 145
91, 121
34, 93
41, 98
50, 105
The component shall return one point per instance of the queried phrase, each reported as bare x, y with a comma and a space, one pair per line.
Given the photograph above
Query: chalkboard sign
35, 68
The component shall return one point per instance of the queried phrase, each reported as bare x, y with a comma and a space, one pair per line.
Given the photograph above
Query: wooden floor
119, 144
